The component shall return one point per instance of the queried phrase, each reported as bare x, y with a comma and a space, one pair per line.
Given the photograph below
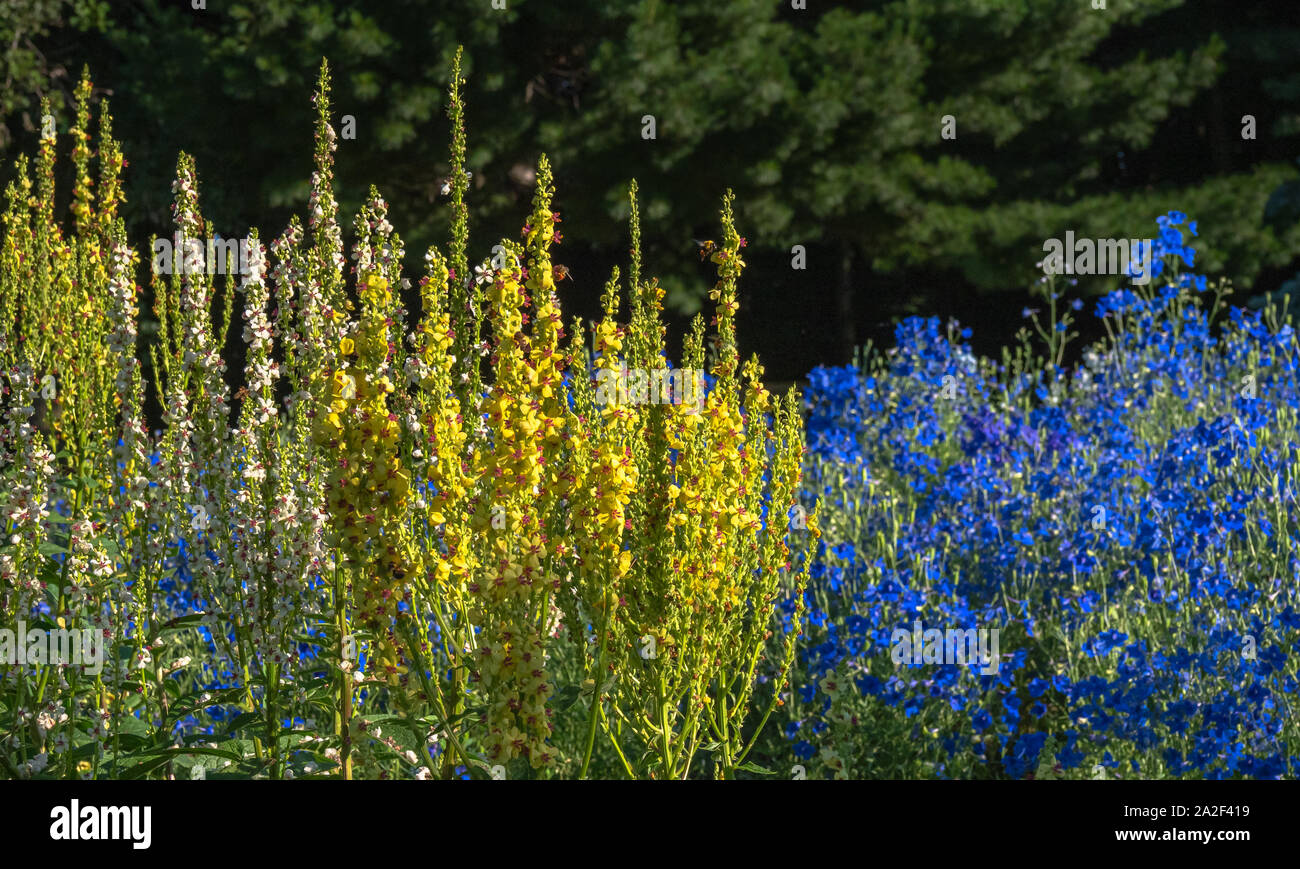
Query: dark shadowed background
826, 121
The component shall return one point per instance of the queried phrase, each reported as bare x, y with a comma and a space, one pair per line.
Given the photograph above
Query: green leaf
566, 697
243, 719
157, 759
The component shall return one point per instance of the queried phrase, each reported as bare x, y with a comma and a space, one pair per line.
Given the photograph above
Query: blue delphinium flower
1125, 526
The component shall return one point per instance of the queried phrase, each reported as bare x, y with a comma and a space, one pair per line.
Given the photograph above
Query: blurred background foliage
826, 121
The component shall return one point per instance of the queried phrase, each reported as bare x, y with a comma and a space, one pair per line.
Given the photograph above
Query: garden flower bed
409, 545
430, 531
1127, 528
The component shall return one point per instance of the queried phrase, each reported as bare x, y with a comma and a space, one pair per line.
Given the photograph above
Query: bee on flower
445, 190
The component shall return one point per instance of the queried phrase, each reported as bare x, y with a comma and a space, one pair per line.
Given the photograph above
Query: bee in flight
706, 246
561, 272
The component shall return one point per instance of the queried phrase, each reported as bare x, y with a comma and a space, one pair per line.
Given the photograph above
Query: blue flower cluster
1130, 529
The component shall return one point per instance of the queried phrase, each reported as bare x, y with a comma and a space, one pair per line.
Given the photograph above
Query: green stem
432, 695
613, 739
599, 676
343, 714
666, 751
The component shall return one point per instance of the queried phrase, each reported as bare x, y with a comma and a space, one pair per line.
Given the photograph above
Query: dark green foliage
826, 123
